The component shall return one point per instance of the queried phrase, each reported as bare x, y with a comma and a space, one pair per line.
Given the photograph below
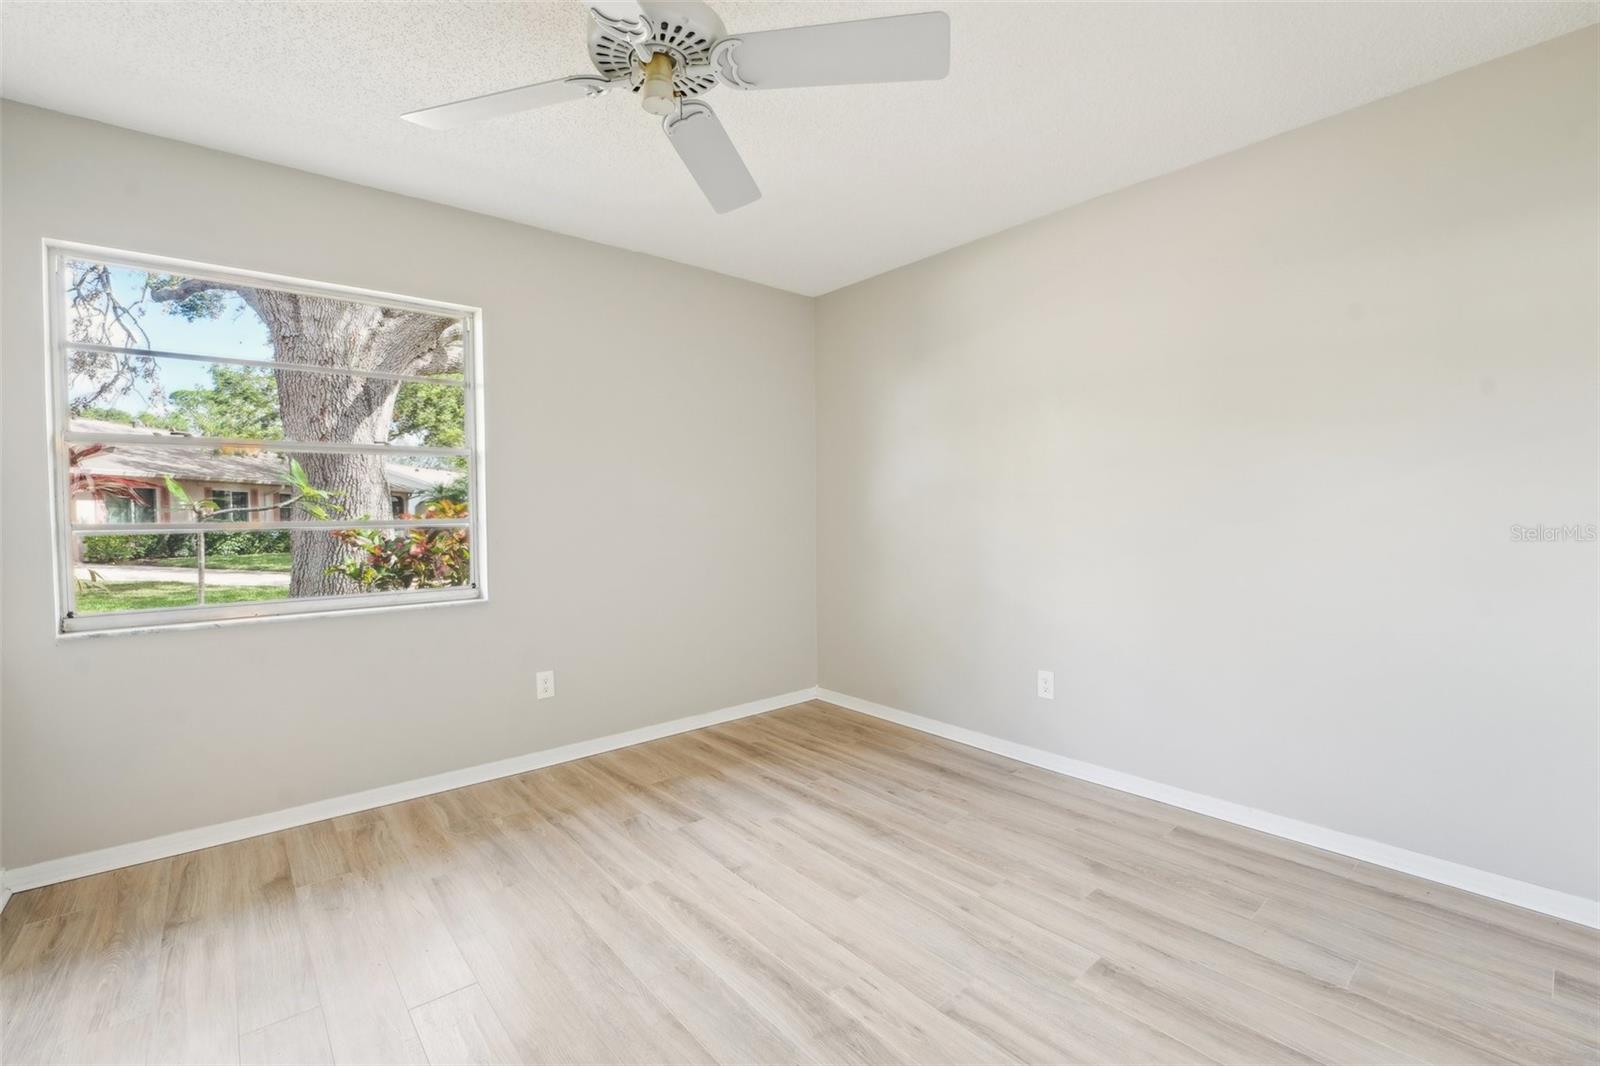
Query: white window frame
65, 530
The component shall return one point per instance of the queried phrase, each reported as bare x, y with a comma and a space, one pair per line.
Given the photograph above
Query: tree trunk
319, 331
361, 491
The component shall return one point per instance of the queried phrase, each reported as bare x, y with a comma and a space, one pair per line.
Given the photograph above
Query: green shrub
167, 545
247, 542
110, 549
117, 548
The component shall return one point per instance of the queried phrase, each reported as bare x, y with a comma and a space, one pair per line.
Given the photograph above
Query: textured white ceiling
1046, 105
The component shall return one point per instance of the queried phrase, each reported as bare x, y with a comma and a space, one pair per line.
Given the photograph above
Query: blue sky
237, 333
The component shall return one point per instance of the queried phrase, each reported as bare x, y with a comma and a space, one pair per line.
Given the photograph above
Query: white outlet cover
544, 684
1047, 684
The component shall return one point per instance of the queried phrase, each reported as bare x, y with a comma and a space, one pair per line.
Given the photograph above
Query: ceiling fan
670, 52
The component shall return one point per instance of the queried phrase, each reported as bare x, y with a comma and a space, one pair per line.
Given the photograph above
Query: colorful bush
389, 559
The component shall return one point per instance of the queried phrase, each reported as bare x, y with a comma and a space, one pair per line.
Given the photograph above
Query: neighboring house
232, 480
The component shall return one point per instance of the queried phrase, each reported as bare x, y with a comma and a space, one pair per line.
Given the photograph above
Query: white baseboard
113, 858
1480, 882
1469, 879
5, 893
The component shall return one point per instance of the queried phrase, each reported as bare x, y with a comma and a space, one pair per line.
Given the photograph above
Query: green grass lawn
267, 561
143, 595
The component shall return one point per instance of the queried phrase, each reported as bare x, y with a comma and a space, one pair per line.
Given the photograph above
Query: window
231, 505
232, 445
132, 506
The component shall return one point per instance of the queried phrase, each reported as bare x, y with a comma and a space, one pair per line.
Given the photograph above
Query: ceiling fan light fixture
657, 93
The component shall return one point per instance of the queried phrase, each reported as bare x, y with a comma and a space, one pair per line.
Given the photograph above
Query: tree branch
201, 513
185, 288
420, 344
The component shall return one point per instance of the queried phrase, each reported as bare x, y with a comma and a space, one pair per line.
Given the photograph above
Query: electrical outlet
1047, 684
545, 684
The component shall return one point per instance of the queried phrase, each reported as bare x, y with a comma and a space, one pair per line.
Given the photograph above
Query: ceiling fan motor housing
684, 30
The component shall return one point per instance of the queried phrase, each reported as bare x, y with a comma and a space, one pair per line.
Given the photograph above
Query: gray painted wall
1236, 453
651, 514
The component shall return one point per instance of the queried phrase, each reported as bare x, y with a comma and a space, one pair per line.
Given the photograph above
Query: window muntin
255, 480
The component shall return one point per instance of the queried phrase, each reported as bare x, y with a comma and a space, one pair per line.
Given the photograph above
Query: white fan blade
896, 48
625, 19
510, 101
713, 161
617, 12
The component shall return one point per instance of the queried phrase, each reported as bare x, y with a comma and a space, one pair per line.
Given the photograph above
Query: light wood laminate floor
805, 886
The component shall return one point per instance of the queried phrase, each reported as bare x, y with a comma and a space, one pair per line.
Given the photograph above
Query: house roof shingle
207, 464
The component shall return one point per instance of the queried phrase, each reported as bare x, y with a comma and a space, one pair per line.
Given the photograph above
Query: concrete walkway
121, 574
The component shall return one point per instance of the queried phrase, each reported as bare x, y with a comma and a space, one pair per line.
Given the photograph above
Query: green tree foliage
108, 414
436, 415
456, 492
241, 401
172, 420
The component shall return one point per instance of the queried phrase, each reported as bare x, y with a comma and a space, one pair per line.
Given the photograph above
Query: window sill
467, 598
